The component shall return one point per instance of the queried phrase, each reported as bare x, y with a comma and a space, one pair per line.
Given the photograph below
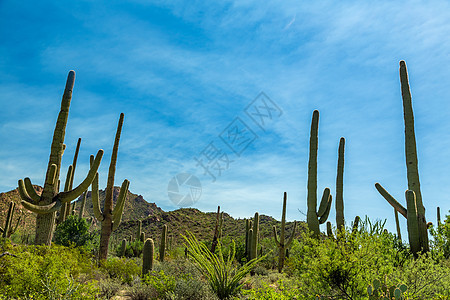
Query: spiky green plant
147, 258
281, 244
377, 290
142, 237
162, 247
411, 168
123, 248
355, 225
110, 218
223, 276
314, 217
51, 200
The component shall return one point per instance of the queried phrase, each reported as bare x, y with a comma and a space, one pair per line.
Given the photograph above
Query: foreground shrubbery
342, 267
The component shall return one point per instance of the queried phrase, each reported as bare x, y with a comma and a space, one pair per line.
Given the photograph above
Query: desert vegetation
61, 253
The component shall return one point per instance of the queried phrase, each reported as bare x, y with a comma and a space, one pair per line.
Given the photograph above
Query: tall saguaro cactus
314, 217
8, 222
411, 168
340, 221
110, 218
254, 237
282, 246
51, 200
147, 256
162, 246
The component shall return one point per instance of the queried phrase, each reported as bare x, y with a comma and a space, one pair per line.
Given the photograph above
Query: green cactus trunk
340, 187
255, 234
83, 205
329, 230
355, 225
142, 237
216, 231
147, 259
250, 240
411, 156
8, 220
313, 217
162, 247
123, 248
282, 246
438, 212
139, 230
397, 224
413, 222
110, 218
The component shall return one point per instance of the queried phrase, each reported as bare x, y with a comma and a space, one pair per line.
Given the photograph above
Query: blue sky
183, 71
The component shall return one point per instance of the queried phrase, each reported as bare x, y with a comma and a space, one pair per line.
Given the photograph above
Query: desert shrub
440, 245
122, 268
425, 278
74, 231
44, 272
109, 287
281, 290
345, 266
160, 282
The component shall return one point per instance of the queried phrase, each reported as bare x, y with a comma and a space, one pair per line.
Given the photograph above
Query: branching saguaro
109, 218
415, 211
51, 200
314, 217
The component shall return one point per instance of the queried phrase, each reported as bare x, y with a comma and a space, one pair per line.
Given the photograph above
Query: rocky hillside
153, 219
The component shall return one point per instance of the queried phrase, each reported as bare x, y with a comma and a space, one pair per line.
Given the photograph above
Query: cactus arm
42, 209
288, 244
395, 204
74, 163
324, 217
275, 235
324, 203
118, 210
51, 176
95, 200
76, 192
31, 191
23, 192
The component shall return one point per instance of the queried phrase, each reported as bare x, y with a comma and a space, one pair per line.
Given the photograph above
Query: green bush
74, 231
345, 266
43, 272
122, 268
440, 244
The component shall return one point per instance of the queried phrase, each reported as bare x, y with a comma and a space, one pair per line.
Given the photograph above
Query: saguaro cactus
216, 231
397, 224
123, 248
65, 209
248, 226
255, 234
8, 221
110, 218
314, 217
147, 259
340, 221
139, 230
282, 246
83, 205
162, 247
411, 165
50, 201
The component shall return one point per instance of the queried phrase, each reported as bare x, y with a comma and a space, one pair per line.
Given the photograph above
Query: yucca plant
223, 276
